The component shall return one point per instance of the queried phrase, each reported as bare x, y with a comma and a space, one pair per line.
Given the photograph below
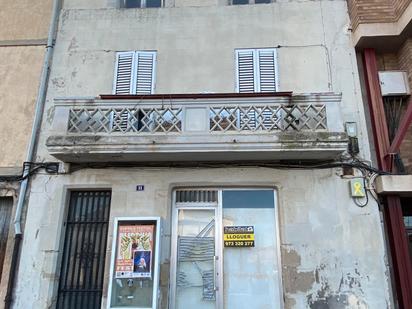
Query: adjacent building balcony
203, 127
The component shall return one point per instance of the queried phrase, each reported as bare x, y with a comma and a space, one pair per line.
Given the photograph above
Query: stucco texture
24, 19
332, 250
20, 69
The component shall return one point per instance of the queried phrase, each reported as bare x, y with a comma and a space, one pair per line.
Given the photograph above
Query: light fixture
351, 129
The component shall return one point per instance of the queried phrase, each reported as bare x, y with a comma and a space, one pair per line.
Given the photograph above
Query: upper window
256, 70
236, 2
142, 3
134, 72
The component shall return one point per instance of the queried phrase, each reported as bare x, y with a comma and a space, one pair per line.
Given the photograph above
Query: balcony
204, 127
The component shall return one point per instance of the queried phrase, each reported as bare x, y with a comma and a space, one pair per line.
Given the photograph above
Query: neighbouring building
23, 37
214, 154
383, 41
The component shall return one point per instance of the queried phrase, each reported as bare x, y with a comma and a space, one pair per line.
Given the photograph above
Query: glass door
206, 275
195, 250
251, 272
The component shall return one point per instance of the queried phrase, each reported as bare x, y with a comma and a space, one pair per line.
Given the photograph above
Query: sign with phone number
239, 236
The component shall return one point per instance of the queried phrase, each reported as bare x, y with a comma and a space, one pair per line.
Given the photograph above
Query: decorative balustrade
254, 123
226, 117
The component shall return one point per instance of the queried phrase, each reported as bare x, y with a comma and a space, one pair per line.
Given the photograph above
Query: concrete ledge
11, 171
197, 147
367, 30
394, 184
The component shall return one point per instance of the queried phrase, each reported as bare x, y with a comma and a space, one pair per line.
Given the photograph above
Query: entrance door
204, 274
82, 268
196, 250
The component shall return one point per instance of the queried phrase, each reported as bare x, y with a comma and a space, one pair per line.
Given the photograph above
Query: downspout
40, 103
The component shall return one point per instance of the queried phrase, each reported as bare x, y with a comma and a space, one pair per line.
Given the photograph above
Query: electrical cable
32, 167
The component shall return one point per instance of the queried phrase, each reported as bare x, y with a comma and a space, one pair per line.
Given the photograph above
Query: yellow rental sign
239, 236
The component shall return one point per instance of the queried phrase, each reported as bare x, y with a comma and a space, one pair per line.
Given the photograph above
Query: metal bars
6, 205
82, 269
196, 196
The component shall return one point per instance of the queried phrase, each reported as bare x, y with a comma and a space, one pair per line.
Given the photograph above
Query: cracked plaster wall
333, 254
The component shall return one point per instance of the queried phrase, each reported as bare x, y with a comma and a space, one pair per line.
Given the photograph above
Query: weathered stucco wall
24, 19
23, 28
332, 250
20, 69
195, 48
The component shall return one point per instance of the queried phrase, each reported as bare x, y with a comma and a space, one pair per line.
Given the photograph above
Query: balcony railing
234, 124
242, 117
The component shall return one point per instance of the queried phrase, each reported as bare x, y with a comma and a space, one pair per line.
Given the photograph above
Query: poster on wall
134, 251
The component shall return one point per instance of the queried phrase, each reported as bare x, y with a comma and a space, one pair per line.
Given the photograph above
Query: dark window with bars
82, 269
6, 205
142, 3
196, 196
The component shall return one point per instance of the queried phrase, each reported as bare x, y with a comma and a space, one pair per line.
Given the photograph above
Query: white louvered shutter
246, 74
266, 65
123, 83
145, 72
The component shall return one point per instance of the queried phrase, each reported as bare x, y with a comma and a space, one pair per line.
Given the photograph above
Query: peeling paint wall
332, 251
333, 254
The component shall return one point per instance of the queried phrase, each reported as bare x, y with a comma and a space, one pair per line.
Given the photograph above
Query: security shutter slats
246, 71
120, 122
248, 120
256, 70
144, 79
267, 70
124, 73
135, 72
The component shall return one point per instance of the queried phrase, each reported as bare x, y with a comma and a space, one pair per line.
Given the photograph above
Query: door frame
218, 243
219, 237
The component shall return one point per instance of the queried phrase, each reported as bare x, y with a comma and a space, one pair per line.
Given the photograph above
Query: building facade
382, 38
204, 161
23, 39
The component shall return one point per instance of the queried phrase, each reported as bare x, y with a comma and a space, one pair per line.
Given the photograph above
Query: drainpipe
40, 102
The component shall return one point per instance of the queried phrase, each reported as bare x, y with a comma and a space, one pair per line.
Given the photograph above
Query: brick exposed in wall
402, 60
387, 62
405, 59
375, 11
405, 63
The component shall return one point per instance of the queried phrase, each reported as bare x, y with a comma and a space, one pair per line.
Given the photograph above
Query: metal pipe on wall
31, 150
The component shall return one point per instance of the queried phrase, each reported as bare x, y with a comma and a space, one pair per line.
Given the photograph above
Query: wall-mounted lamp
352, 131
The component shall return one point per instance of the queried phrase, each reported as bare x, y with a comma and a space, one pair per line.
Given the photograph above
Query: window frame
256, 69
143, 5
133, 77
249, 2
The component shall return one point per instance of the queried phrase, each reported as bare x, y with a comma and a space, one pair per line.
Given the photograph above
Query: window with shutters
256, 70
135, 72
141, 3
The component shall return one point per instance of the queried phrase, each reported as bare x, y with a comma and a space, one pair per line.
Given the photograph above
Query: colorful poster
134, 251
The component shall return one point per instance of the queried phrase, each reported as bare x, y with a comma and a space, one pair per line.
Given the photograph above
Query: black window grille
6, 204
82, 269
